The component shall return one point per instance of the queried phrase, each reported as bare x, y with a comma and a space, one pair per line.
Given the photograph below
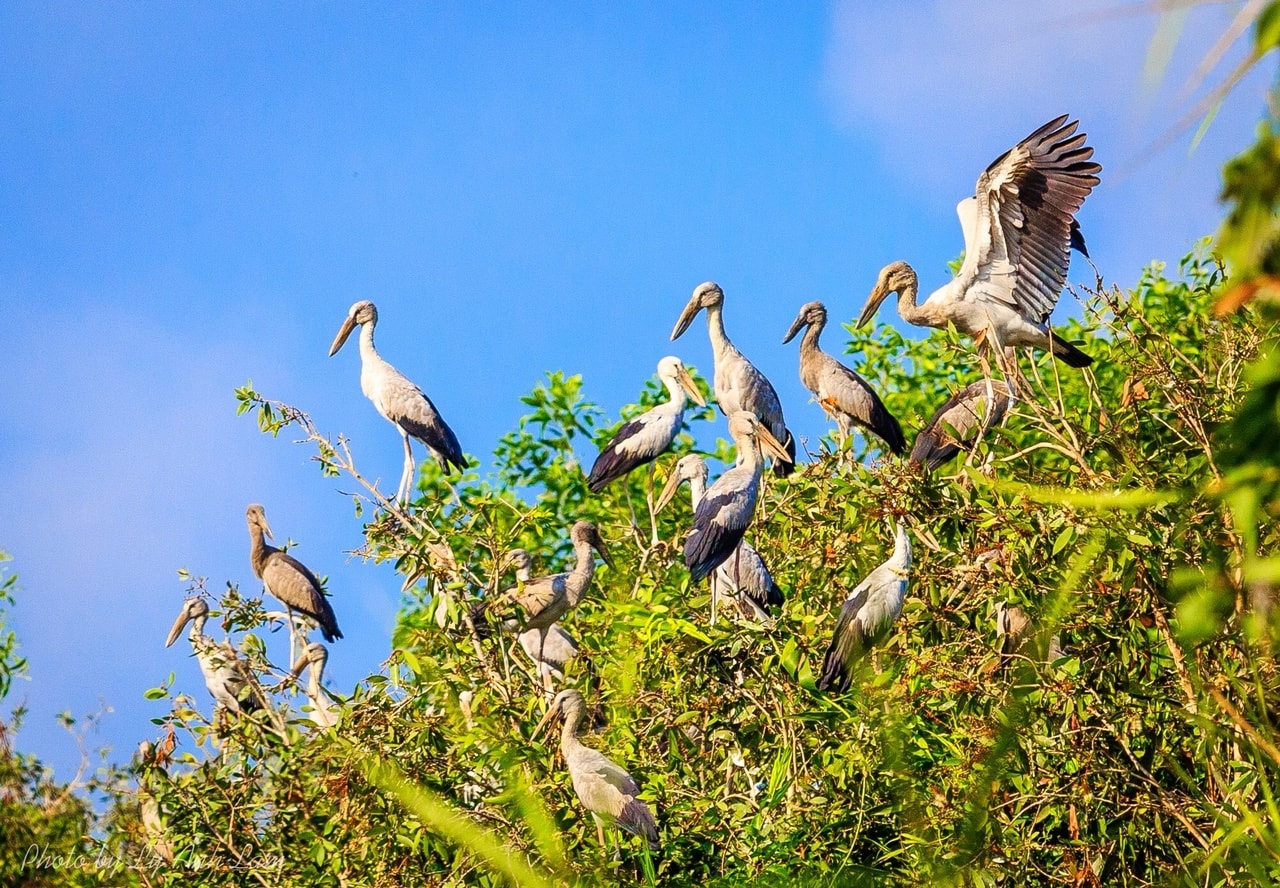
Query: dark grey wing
848, 643
636, 818
859, 401
957, 420
750, 575
718, 527
638, 442
419, 417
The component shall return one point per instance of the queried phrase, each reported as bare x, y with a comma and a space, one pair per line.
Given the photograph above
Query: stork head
706, 295
812, 314
363, 312
314, 654
520, 561
585, 532
257, 517
744, 426
193, 609
671, 371
896, 277
687, 468
568, 703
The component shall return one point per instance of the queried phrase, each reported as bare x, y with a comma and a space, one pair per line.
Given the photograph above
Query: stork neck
676, 390
697, 489
582, 572
367, 351
569, 733
197, 631
811, 336
907, 307
715, 328
258, 550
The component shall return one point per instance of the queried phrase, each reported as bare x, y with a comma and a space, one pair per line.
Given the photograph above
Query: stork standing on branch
844, 395
398, 400
738, 384
552, 654
226, 674
1019, 228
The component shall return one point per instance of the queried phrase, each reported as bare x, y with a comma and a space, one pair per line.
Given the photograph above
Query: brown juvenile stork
961, 422
738, 384
604, 788
1019, 228
554, 652
844, 395
398, 400
288, 579
544, 600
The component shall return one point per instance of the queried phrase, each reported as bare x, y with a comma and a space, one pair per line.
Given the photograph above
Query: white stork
722, 518
867, 614
226, 675
648, 436
398, 400
960, 423
288, 579
1019, 228
844, 395
743, 575
738, 384
604, 788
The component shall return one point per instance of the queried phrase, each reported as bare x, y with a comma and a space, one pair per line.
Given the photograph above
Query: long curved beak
668, 491
770, 444
598, 545
686, 318
796, 326
343, 332
690, 387
303, 659
178, 625
878, 295
546, 720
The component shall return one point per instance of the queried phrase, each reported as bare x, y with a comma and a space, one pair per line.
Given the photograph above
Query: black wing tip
1070, 355
835, 676
1077, 239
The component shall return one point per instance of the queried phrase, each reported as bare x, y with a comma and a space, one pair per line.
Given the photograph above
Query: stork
559, 647
226, 675
398, 400
867, 614
1019, 228
722, 517
603, 788
1015, 630
288, 579
648, 436
844, 395
960, 423
544, 600
315, 656
738, 384
743, 574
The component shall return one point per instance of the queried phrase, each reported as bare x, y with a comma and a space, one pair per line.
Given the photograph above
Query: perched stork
1019, 228
552, 655
738, 384
398, 400
1015, 630
725, 512
960, 423
867, 615
226, 675
604, 788
648, 436
315, 656
743, 574
287, 578
844, 395
544, 600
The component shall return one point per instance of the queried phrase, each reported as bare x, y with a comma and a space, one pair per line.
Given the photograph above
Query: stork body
604, 788
844, 395
648, 436
960, 423
314, 657
542, 601
871, 608
398, 400
287, 578
738, 384
1019, 228
226, 675
1016, 631
554, 652
743, 575
725, 512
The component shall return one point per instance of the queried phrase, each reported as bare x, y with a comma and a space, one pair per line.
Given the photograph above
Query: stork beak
878, 295
546, 720
686, 318
598, 544
343, 332
303, 659
178, 625
689, 386
770, 445
266, 528
668, 490
796, 326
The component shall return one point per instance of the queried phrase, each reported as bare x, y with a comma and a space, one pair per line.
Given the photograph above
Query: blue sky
191, 196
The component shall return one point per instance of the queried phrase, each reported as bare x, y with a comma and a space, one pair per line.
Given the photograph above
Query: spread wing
1018, 226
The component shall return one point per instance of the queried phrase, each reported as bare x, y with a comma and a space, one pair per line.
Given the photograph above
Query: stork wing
855, 397
408, 407
289, 580
639, 441
1018, 225
718, 526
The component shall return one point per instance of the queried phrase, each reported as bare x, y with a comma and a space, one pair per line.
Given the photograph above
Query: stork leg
715, 593
293, 635
406, 477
